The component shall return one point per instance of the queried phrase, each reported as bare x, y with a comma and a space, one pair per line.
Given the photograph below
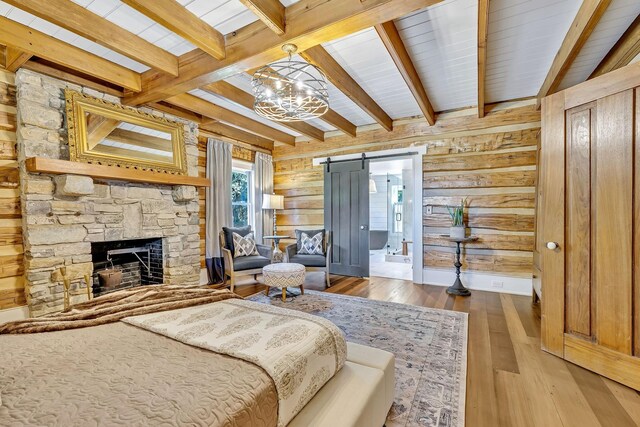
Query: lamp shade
372, 186
272, 201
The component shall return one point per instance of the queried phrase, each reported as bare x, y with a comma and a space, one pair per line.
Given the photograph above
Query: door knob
552, 245
363, 227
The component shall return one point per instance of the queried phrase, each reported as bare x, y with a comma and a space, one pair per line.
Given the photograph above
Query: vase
458, 232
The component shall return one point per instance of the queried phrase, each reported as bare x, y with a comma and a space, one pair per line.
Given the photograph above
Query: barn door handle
552, 246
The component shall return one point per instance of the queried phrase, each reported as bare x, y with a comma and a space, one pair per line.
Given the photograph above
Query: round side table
277, 255
458, 288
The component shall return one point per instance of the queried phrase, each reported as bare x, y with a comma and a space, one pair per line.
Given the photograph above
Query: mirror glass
111, 134
121, 138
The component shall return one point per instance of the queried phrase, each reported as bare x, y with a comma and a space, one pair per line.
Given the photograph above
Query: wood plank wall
11, 249
490, 161
238, 152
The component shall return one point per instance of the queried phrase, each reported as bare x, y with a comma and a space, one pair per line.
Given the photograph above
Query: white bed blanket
299, 351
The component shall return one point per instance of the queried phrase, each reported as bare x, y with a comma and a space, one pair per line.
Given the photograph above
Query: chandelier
289, 91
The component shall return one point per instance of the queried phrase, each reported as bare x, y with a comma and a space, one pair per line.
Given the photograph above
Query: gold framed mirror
105, 133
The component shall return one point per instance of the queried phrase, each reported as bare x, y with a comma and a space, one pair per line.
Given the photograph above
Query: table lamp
273, 201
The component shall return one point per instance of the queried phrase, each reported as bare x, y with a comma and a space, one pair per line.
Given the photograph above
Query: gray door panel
346, 215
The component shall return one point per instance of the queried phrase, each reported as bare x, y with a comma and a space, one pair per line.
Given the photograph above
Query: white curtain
263, 184
218, 203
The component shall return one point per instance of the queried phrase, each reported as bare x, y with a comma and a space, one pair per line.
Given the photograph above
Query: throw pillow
228, 235
244, 245
309, 233
311, 245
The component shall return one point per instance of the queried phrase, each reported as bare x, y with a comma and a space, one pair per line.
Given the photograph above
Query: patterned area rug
430, 346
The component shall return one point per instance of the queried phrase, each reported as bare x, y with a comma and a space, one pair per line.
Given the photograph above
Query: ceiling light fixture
289, 91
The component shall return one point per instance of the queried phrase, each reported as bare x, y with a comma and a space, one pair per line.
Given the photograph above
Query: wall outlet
429, 209
496, 284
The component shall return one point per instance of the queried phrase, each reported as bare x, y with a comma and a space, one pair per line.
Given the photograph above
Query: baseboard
16, 313
479, 281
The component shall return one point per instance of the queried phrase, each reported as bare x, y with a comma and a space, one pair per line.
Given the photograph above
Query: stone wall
63, 214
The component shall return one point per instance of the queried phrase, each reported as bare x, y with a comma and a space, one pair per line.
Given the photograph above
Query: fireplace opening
125, 264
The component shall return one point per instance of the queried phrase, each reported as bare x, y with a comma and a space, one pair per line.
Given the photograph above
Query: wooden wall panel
636, 230
11, 249
503, 200
481, 179
614, 222
503, 264
491, 161
580, 139
495, 221
480, 161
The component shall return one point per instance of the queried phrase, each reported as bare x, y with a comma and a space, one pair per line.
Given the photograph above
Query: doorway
391, 218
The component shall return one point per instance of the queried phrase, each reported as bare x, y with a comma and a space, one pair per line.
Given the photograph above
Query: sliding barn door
589, 211
346, 215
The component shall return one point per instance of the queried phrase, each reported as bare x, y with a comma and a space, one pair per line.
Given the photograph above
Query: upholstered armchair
244, 265
311, 262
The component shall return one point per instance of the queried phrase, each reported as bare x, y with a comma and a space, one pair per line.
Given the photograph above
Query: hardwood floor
510, 381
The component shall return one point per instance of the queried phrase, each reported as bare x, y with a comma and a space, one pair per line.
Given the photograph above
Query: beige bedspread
120, 375
300, 352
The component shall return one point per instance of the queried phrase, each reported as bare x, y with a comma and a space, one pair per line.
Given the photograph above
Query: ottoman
284, 275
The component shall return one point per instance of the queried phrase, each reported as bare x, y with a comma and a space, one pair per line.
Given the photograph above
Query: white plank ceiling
365, 58
619, 15
442, 43
524, 36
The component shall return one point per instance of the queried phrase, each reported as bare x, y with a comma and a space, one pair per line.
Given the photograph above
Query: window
242, 195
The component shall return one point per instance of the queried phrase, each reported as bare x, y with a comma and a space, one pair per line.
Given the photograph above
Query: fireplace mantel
57, 167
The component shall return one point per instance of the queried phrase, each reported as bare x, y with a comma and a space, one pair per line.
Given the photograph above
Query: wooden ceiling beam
178, 19
581, 28
395, 46
140, 140
309, 23
339, 122
237, 134
621, 54
319, 57
15, 58
78, 20
98, 128
270, 12
240, 97
71, 76
176, 111
27, 39
217, 113
483, 34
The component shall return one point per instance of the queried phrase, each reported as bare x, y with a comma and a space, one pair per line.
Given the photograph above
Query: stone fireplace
65, 217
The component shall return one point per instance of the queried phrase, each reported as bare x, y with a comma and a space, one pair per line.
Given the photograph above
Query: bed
121, 374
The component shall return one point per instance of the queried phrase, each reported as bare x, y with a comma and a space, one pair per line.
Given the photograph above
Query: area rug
430, 346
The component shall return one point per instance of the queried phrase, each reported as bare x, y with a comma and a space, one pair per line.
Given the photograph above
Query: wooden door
589, 225
346, 215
